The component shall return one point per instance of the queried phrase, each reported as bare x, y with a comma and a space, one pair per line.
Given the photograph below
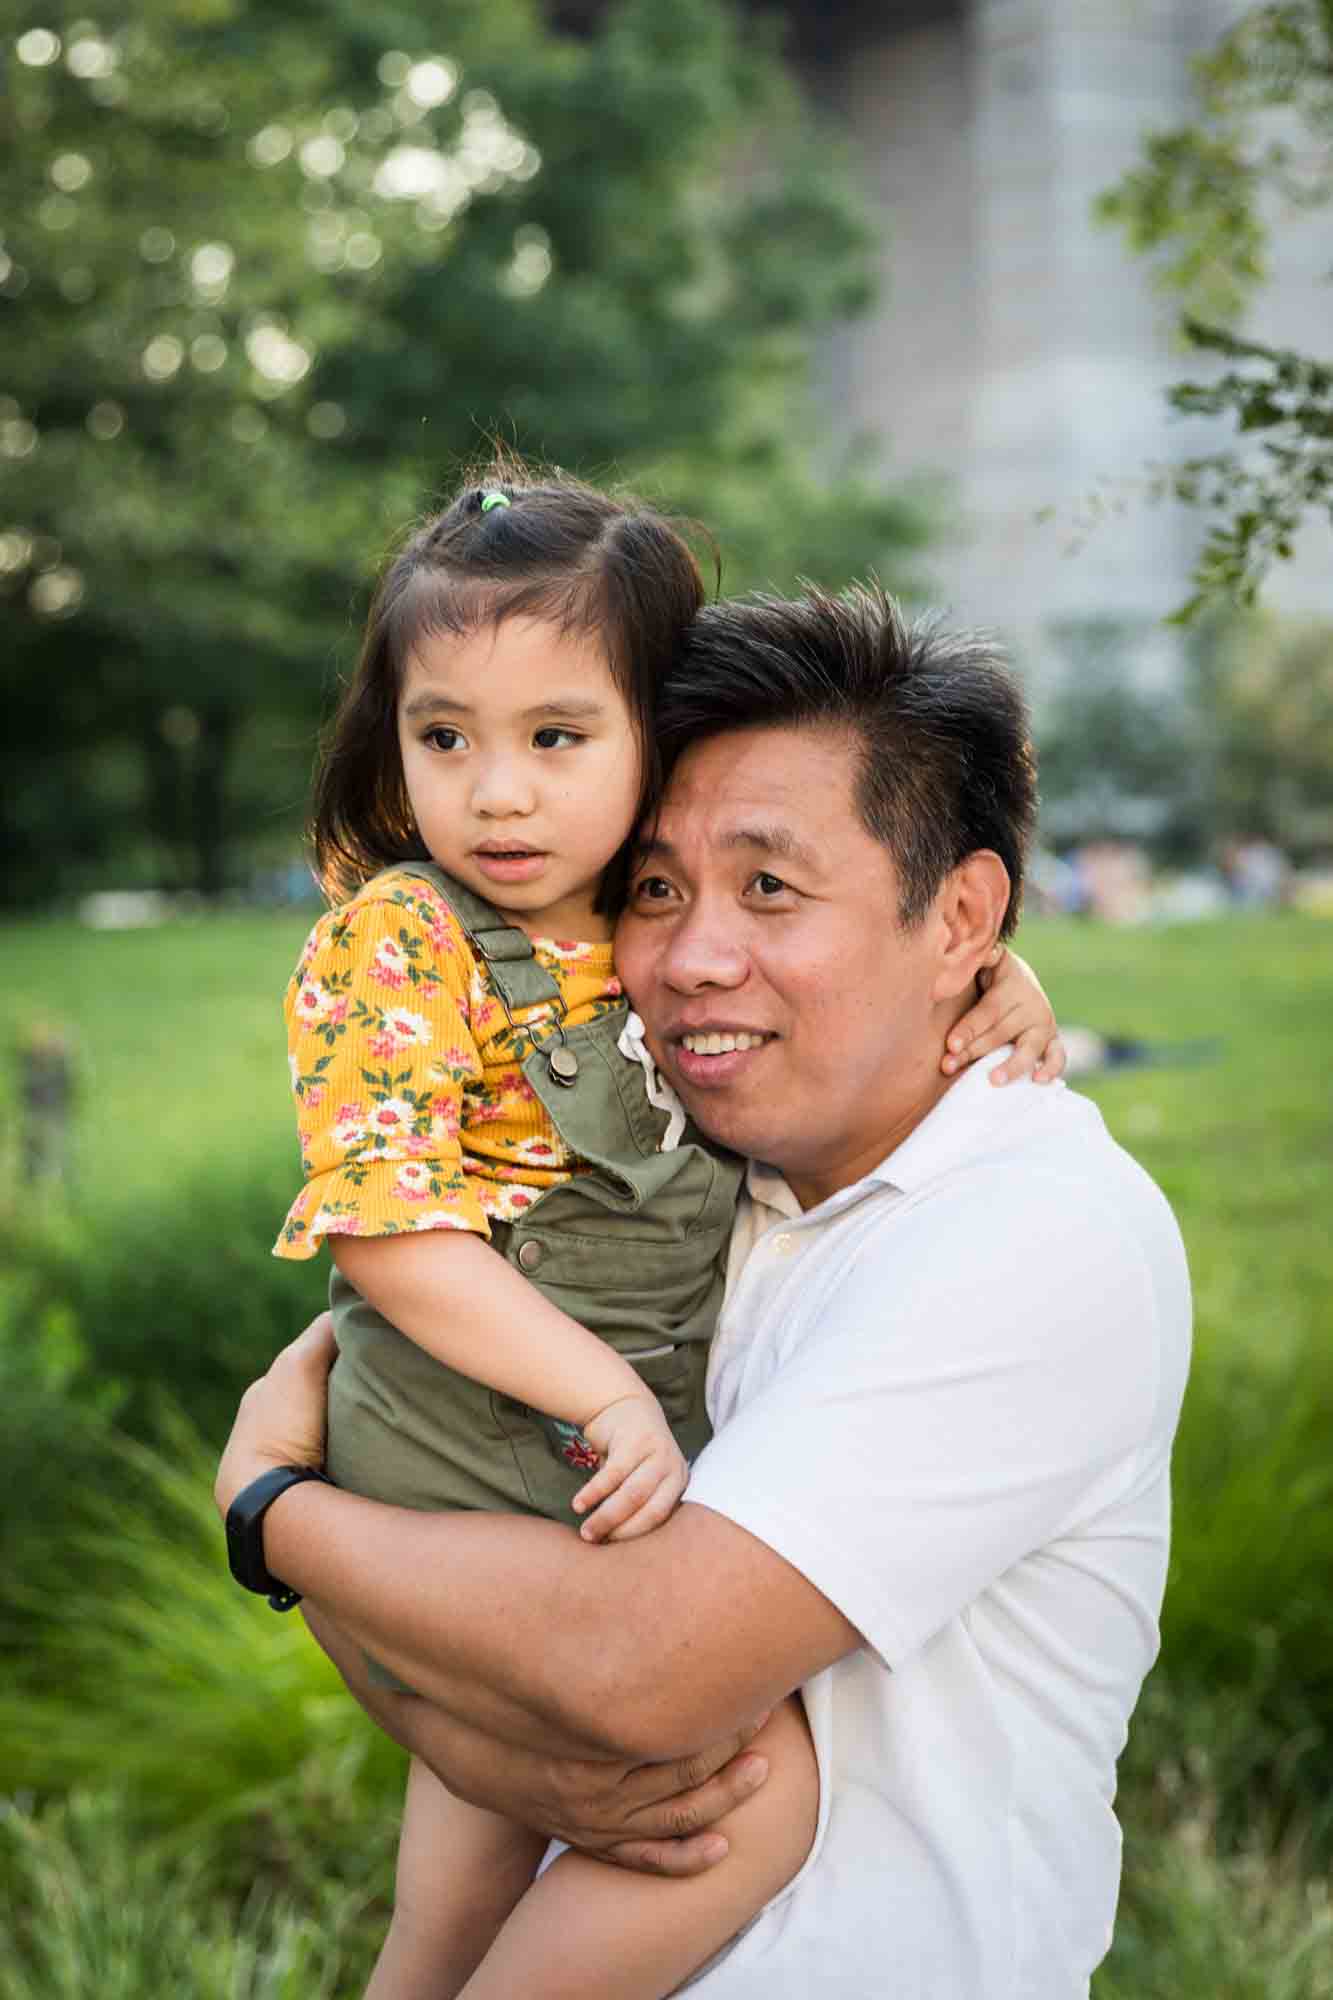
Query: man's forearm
488, 1713
656, 1817
445, 1601
647, 1650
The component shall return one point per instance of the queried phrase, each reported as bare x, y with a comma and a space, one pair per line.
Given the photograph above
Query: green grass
1243, 1146
180, 1047
178, 1042
95, 1912
152, 1269
134, 1666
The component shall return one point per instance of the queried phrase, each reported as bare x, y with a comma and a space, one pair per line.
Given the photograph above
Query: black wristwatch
245, 1531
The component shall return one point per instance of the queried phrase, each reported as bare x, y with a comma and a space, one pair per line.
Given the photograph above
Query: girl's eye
442, 738
553, 738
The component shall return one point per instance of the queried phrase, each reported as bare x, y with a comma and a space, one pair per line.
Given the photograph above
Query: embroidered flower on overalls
573, 1446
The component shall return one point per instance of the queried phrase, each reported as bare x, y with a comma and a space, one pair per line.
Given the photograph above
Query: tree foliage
1241, 744
1202, 202
269, 274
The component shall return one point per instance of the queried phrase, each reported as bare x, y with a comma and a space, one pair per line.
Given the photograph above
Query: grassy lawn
178, 1038
1243, 1144
156, 1271
180, 1046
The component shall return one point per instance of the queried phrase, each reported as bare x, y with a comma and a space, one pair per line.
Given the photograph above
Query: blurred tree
269, 273
1118, 760
1240, 746
1203, 197
1263, 687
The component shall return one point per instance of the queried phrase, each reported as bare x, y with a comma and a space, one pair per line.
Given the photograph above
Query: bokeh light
162, 357
38, 48
106, 420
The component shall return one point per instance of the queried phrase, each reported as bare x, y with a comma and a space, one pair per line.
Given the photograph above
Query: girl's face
522, 766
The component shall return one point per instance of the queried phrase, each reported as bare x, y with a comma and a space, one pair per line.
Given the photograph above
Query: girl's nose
501, 788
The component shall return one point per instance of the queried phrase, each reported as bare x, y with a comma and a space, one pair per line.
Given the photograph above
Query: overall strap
506, 951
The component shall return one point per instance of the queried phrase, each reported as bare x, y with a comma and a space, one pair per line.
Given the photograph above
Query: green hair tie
490, 500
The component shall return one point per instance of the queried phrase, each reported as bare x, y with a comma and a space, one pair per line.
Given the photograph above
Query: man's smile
721, 1042
715, 1054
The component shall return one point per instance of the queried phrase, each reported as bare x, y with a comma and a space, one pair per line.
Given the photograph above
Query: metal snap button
530, 1255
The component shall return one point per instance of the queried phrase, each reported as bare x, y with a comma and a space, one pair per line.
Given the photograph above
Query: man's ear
970, 907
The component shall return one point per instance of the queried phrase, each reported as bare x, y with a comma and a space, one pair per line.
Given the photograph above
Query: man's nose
704, 950
501, 788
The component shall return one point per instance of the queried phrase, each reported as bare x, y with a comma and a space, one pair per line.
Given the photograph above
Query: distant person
469, 1081
1257, 873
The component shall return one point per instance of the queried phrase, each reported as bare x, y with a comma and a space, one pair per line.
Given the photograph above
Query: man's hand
650, 1817
281, 1418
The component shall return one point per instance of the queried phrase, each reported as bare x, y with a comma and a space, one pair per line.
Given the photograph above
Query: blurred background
1022, 305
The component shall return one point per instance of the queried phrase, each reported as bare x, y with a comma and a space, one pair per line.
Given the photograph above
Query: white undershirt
947, 1397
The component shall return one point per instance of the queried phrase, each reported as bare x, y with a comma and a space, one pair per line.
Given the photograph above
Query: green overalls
634, 1248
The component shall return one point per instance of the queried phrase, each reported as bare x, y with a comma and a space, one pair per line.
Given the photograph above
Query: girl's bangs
438, 602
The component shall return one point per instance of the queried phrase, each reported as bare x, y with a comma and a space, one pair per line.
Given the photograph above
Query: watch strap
245, 1531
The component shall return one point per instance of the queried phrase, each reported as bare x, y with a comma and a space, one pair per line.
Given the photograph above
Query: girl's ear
971, 906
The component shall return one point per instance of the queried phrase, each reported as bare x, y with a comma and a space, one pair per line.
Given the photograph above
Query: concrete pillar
1018, 348
1074, 347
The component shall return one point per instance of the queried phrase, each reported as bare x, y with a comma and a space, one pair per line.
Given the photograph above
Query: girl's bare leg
586, 1926
461, 1871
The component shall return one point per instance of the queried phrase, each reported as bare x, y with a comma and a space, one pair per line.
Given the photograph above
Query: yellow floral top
412, 1110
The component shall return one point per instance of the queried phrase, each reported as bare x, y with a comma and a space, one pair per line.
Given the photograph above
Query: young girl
469, 1082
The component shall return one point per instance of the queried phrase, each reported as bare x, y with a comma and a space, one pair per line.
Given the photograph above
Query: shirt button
530, 1255
784, 1245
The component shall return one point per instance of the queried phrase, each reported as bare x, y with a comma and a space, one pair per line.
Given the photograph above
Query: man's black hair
945, 761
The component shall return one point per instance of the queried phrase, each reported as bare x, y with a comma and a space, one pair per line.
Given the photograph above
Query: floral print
412, 1110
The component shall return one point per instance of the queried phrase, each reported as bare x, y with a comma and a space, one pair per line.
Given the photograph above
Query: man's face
795, 1018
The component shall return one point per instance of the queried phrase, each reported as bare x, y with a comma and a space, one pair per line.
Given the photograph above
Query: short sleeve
380, 1049
950, 1415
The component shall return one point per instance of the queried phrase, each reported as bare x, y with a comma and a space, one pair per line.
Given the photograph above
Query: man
945, 1382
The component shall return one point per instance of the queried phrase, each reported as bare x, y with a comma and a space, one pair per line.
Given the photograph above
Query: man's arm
653, 1817
643, 1650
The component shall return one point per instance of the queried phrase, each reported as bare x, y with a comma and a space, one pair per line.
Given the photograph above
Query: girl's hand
643, 1472
1012, 1008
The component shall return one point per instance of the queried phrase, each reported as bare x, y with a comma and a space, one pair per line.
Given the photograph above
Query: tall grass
1241, 1705
152, 1674
95, 1913
196, 1805
1193, 1926
177, 1742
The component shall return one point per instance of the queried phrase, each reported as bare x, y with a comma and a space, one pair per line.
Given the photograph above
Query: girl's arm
457, 1298
1013, 1008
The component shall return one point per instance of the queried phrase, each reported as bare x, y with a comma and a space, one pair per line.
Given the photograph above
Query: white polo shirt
947, 1396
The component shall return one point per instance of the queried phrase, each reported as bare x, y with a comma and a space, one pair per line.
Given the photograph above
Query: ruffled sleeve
381, 1048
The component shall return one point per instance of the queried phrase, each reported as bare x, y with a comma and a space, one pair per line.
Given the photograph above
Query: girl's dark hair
560, 550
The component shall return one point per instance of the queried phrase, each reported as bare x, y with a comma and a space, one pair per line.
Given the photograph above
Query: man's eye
441, 738
555, 739
769, 885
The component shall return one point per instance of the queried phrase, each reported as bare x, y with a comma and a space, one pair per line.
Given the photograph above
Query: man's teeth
719, 1045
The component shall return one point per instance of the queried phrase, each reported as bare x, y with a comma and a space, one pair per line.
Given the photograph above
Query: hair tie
489, 500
